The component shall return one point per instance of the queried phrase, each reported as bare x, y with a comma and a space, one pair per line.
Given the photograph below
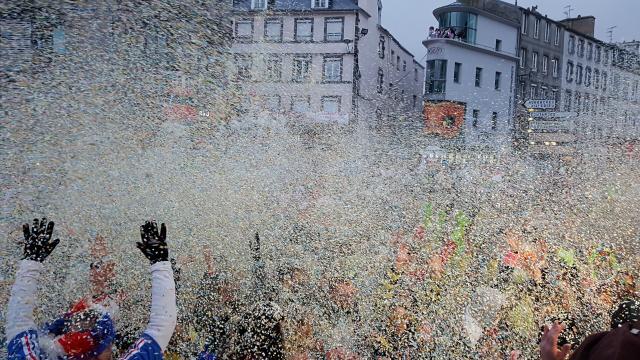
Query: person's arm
20, 328
163, 318
23, 298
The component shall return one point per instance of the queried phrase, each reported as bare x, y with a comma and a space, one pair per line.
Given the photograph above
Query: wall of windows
463, 24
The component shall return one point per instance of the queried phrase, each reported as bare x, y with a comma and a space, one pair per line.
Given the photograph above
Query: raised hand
549, 344
154, 242
37, 240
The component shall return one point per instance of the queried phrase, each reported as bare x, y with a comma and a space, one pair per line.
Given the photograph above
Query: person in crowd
86, 332
622, 342
260, 335
432, 32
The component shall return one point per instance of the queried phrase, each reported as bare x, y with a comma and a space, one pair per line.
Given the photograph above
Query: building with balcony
324, 61
471, 76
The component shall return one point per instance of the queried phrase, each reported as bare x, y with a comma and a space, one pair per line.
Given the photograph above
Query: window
587, 76
321, 4
556, 40
303, 30
523, 57
522, 89
598, 54
381, 47
416, 75
456, 72
534, 61
554, 67
544, 92
463, 24
525, 23
259, 4
478, 77
273, 102
244, 29
569, 71
547, 31
579, 74
536, 28
568, 97
534, 92
243, 66
498, 45
333, 29
494, 120
572, 44
332, 69
606, 56
404, 65
273, 30
398, 62
589, 51
545, 64
496, 84
300, 104
581, 48
596, 78
301, 68
58, 40
475, 115
436, 77
273, 67
415, 101
604, 81
380, 81
331, 104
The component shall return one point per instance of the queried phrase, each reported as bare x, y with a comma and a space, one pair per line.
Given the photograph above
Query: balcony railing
457, 39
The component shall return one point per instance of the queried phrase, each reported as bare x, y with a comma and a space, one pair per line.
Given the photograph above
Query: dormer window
320, 4
258, 4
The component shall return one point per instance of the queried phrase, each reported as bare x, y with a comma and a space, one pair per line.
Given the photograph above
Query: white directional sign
549, 125
540, 104
552, 114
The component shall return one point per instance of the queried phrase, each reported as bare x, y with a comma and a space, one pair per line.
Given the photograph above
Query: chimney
582, 24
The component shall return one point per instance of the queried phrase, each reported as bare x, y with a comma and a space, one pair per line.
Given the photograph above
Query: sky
408, 20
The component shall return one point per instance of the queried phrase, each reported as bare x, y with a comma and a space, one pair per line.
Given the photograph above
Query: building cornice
455, 7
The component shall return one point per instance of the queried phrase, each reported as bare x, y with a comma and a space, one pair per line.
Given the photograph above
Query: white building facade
471, 76
310, 58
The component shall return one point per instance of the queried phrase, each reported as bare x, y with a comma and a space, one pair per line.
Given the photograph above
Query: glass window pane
334, 30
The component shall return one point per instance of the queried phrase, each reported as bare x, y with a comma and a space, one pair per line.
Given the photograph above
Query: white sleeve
23, 298
163, 317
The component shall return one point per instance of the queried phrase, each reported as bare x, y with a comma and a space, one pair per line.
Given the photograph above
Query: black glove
154, 243
37, 240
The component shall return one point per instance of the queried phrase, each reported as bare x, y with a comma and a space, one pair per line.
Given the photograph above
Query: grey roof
299, 5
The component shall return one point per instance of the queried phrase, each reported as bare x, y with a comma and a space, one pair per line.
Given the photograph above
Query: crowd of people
446, 33
269, 325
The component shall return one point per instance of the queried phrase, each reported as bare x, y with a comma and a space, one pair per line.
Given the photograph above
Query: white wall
489, 30
485, 99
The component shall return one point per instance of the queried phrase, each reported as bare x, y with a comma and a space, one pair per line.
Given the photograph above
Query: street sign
549, 125
562, 114
540, 104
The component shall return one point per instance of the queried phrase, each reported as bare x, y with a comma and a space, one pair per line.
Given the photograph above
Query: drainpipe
356, 69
